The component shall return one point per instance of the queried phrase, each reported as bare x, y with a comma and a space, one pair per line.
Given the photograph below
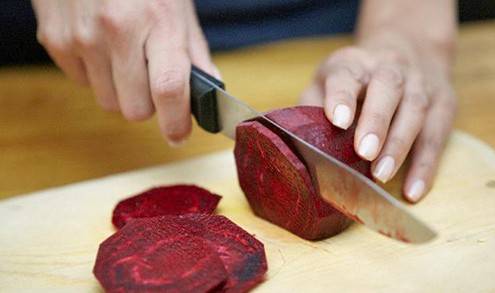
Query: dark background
18, 29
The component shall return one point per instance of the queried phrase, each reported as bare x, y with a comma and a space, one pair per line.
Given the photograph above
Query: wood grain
52, 132
49, 239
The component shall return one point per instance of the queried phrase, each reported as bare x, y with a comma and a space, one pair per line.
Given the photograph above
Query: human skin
399, 68
136, 56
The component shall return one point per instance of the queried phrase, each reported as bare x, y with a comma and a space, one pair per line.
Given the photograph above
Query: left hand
408, 105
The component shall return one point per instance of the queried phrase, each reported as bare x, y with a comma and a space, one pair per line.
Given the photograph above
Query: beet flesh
275, 179
158, 255
243, 255
186, 253
165, 200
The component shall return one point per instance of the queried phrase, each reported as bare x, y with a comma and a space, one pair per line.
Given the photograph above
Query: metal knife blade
346, 189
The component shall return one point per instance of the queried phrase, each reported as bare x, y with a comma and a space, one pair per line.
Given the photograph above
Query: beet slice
243, 255
165, 200
158, 255
275, 179
155, 254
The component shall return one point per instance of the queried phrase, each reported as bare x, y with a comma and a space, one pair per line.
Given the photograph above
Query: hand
408, 104
136, 55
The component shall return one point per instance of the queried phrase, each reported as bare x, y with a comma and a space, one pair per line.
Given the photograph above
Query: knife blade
349, 191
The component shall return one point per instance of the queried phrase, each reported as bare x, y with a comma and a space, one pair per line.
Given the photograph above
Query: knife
346, 189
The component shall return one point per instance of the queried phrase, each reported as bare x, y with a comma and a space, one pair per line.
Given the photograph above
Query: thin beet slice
276, 181
165, 200
144, 255
243, 255
158, 255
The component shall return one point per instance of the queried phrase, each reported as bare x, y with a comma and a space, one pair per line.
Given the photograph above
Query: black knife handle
204, 99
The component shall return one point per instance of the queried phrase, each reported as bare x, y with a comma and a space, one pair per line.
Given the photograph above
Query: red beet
174, 254
166, 200
158, 255
275, 179
243, 255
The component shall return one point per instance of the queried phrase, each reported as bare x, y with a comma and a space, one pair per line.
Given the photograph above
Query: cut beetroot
275, 179
243, 255
158, 255
181, 254
166, 200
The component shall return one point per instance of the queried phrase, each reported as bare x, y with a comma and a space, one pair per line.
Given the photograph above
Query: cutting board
49, 239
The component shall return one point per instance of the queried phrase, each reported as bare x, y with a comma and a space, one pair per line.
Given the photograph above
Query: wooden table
52, 132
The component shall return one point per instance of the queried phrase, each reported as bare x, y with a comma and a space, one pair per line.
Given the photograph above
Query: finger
405, 127
55, 35
99, 71
129, 70
198, 46
344, 81
429, 146
382, 97
169, 68
312, 96
91, 47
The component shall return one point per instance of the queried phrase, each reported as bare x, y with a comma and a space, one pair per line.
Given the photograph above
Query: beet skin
275, 179
165, 200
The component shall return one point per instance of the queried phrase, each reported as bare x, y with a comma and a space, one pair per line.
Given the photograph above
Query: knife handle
204, 99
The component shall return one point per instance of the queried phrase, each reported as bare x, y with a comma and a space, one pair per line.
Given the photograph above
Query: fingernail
384, 169
368, 147
341, 116
416, 190
176, 143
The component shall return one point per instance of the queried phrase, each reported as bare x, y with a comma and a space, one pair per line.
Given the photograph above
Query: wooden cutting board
49, 239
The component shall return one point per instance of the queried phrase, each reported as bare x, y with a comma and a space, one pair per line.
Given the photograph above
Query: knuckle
398, 144
52, 42
112, 20
84, 39
432, 144
395, 57
389, 75
169, 86
157, 8
417, 101
42, 36
355, 71
338, 57
378, 120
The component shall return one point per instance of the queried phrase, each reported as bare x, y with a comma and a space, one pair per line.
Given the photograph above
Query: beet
187, 253
275, 179
158, 255
243, 255
165, 200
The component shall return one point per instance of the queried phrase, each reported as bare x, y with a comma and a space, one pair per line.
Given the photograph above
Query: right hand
136, 55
